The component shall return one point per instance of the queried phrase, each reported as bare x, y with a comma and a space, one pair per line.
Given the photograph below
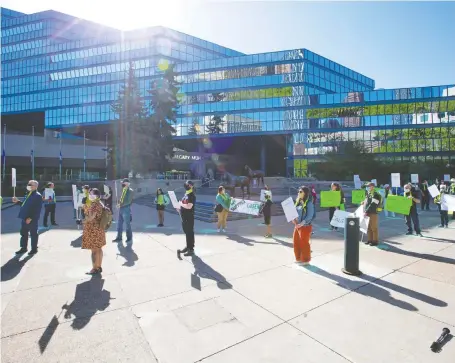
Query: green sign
330, 199
358, 196
397, 204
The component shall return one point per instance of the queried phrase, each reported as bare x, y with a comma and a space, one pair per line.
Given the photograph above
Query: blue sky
399, 44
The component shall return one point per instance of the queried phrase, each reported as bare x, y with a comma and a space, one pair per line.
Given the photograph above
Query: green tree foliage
215, 126
194, 128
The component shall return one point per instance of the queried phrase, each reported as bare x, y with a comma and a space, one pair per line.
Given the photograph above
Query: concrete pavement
241, 299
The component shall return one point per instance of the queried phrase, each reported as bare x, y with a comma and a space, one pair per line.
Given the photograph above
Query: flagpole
4, 150
84, 154
33, 152
60, 157
105, 157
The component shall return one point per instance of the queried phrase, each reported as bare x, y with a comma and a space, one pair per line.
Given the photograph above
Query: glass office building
280, 111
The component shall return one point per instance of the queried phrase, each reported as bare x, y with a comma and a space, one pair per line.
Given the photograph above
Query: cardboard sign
446, 177
363, 219
13, 177
448, 202
397, 204
75, 201
339, 218
414, 178
245, 206
395, 180
330, 199
433, 191
174, 200
358, 196
263, 193
289, 209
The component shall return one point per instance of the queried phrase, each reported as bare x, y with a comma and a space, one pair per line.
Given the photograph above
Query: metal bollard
351, 246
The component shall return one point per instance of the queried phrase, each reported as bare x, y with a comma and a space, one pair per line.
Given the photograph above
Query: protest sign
395, 180
448, 202
433, 191
13, 177
446, 177
330, 199
363, 220
414, 178
106, 189
289, 209
245, 206
48, 193
357, 182
358, 196
263, 193
174, 200
75, 198
397, 204
339, 218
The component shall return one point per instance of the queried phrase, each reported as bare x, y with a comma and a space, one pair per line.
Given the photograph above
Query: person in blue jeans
29, 214
124, 215
413, 217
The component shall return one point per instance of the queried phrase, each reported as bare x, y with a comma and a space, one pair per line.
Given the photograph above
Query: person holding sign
187, 214
266, 210
387, 191
49, 204
29, 214
372, 202
443, 213
411, 193
124, 215
425, 195
161, 200
222, 208
303, 227
336, 188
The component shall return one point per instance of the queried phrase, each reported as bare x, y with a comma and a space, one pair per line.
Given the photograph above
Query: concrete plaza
241, 299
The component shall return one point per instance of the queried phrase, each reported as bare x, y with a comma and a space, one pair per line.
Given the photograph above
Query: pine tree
164, 104
131, 112
194, 129
215, 125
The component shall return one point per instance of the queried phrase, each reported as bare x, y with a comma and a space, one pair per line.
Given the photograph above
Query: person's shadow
240, 239
426, 256
128, 254
12, 268
77, 243
201, 269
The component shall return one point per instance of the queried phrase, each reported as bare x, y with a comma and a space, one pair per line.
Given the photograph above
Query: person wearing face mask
443, 213
303, 227
49, 206
29, 214
425, 195
371, 203
336, 187
161, 201
187, 214
93, 235
410, 192
124, 215
223, 200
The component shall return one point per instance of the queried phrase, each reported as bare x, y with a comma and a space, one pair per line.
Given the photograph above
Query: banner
289, 209
339, 218
358, 196
245, 206
397, 204
395, 180
448, 202
330, 199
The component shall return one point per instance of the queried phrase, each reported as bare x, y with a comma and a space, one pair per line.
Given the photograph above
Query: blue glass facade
72, 70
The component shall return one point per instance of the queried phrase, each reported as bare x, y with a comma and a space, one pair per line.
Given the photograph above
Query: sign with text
245, 206
339, 218
289, 209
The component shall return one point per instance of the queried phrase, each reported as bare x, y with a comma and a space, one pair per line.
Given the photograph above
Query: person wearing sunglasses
29, 214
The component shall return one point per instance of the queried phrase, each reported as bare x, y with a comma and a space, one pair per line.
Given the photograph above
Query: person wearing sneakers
223, 200
371, 203
443, 213
266, 210
186, 210
303, 227
411, 193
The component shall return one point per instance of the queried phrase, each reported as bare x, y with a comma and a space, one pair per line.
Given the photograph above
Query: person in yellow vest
124, 207
223, 201
161, 200
443, 213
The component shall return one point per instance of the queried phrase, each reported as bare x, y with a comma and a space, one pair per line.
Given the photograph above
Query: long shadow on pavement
201, 269
12, 268
426, 256
128, 254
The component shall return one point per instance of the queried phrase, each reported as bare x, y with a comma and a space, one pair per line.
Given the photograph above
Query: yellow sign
300, 168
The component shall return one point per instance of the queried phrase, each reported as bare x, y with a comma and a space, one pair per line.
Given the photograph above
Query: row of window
22, 29
23, 46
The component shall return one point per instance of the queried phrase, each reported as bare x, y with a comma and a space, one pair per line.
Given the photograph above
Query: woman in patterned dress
94, 236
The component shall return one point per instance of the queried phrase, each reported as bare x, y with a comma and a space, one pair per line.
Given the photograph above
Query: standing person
387, 191
372, 202
336, 187
94, 235
124, 214
411, 193
452, 192
85, 200
425, 195
315, 198
443, 213
266, 210
29, 214
49, 206
223, 200
108, 199
303, 227
161, 201
187, 214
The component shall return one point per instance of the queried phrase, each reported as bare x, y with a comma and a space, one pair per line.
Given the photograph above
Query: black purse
218, 208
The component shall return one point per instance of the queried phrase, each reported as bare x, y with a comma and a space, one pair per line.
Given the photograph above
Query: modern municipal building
281, 111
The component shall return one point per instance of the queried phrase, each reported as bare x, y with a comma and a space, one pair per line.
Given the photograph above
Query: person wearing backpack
161, 200
94, 233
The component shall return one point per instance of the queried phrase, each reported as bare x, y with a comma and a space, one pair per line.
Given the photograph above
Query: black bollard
351, 246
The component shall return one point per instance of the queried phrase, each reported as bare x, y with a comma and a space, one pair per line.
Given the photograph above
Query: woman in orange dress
94, 236
303, 227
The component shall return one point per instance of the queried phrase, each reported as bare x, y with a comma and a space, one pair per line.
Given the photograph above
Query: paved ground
241, 300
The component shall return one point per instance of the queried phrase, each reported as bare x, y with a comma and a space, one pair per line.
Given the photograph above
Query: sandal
92, 272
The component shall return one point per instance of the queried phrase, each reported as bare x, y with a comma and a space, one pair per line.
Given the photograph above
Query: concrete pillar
263, 157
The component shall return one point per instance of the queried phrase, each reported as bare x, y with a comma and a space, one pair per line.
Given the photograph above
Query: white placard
106, 189
357, 182
448, 202
80, 199
363, 220
289, 209
414, 178
13, 177
433, 191
375, 182
174, 200
245, 206
395, 180
263, 193
75, 205
447, 177
48, 193
339, 218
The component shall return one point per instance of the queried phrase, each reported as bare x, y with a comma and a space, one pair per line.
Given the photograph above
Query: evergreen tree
194, 129
164, 105
215, 125
130, 110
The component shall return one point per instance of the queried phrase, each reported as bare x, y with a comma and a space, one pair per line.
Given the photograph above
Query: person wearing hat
372, 203
386, 194
186, 210
124, 215
413, 216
